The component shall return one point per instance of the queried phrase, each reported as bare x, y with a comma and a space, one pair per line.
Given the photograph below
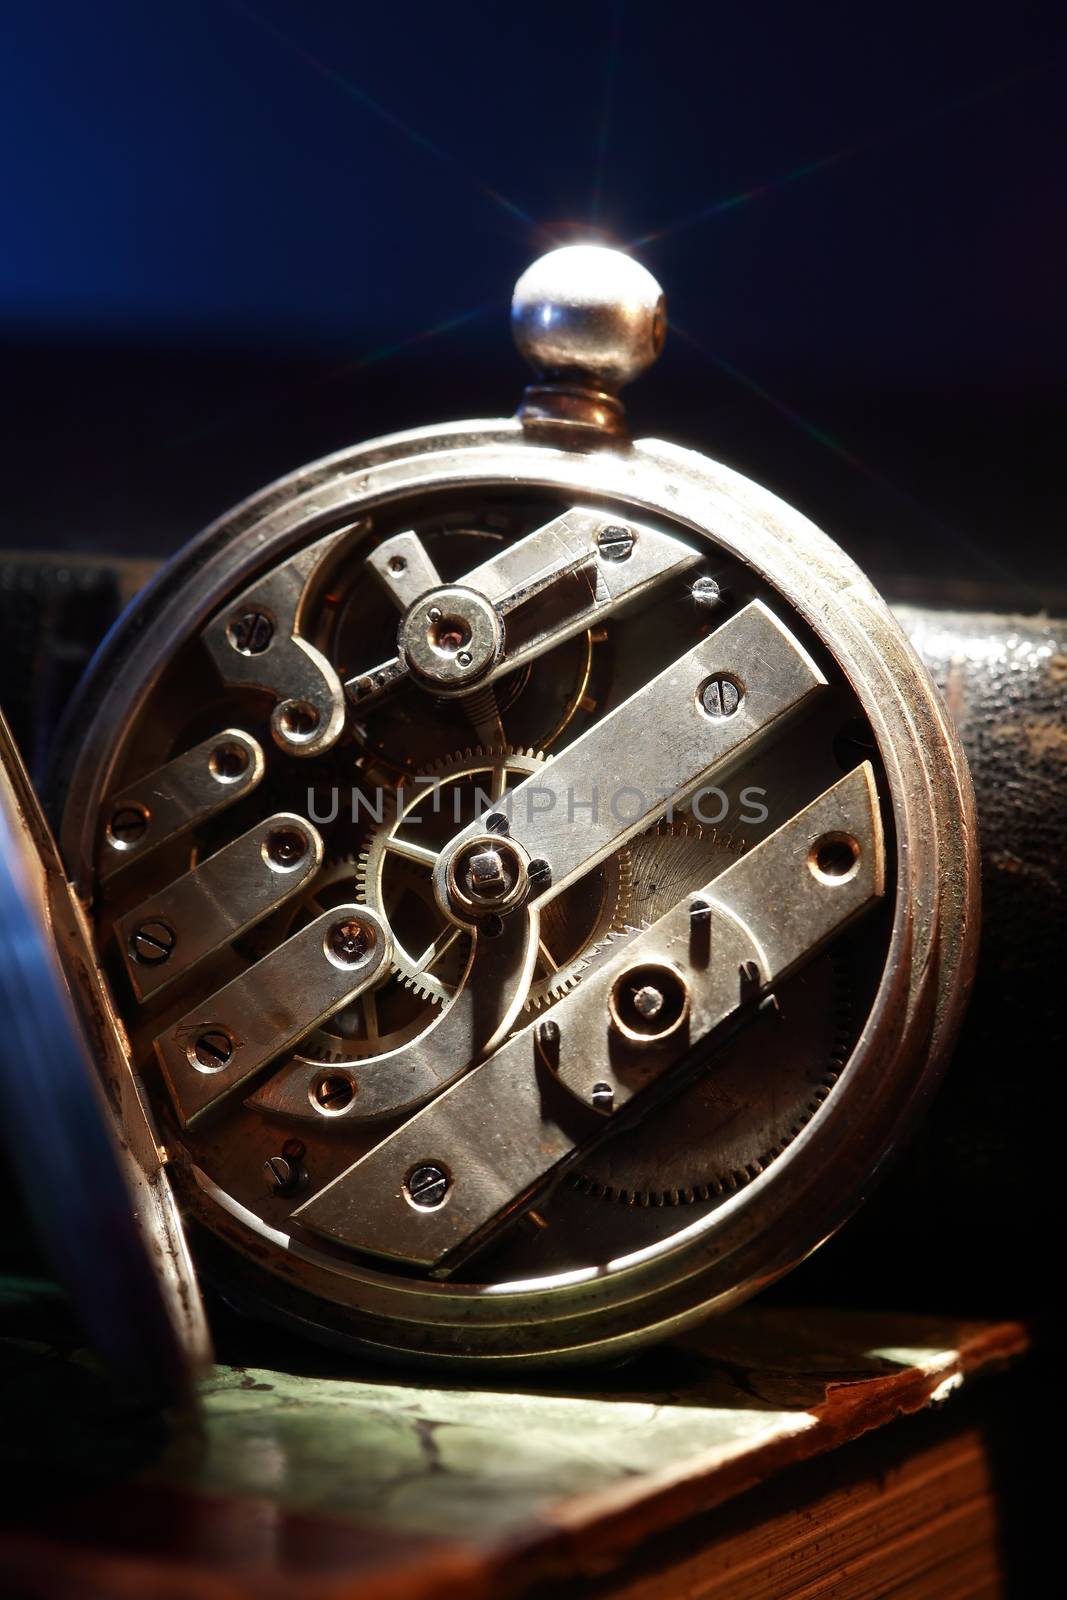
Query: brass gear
705, 1128
676, 858
706, 1144
573, 924
653, 1164
381, 1019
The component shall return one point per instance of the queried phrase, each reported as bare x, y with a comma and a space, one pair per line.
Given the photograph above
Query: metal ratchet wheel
534, 876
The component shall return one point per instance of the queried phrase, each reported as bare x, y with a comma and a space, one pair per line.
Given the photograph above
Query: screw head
128, 826
427, 1185
250, 632
333, 1091
602, 1097
349, 941
615, 543
152, 943
213, 1050
282, 1174
539, 873
721, 695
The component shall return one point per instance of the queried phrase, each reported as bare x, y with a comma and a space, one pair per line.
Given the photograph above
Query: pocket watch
518, 888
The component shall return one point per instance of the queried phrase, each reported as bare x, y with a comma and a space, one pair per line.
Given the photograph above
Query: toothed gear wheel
393, 874
707, 1143
704, 1145
381, 1019
674, 859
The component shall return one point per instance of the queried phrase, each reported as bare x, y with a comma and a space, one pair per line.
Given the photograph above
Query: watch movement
533, 876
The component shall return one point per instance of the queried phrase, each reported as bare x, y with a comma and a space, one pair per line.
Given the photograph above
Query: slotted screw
251, 633
334, 1091
721, 695
152, 943
427, 1186
539, 874
213, 1049
282, 1175
615, 543
128, 825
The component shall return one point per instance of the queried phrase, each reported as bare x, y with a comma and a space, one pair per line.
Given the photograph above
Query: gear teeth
732, 1180
556, 991
369, 864
410, 981
605, 947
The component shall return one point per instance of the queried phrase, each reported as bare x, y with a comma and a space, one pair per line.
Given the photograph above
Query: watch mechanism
532, 870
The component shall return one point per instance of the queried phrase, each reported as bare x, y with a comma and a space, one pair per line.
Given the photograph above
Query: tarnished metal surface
238, 886
650, 753
723, 950
547, 587
175, 798
257, 640
216, 1048
310, 569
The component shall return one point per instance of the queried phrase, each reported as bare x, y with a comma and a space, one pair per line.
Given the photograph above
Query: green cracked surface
312, 1432
453, 1462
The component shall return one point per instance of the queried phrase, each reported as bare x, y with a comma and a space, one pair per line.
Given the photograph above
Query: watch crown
588, 319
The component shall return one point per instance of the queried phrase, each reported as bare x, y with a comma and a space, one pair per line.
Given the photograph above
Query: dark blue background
231, 231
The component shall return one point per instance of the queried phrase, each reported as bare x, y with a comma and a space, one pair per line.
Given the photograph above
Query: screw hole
835, 857
297, 721
285, 848
228, 762
450, 634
